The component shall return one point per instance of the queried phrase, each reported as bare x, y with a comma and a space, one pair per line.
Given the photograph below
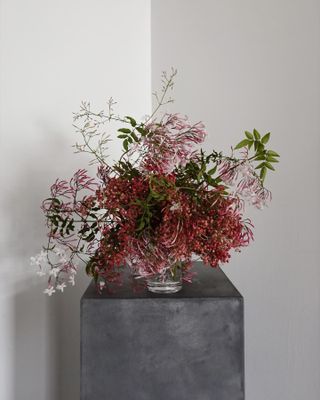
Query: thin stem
161, 102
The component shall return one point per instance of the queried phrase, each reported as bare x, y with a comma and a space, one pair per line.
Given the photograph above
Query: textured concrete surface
143, 346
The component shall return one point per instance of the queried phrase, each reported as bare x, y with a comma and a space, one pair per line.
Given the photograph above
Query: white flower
59, 251
54, 271
49, 291
63, 260
61, 286
43, 255
34, 261
40, 273
38, 259
102, 284
256, 201
73, 270
71, 280
175, 206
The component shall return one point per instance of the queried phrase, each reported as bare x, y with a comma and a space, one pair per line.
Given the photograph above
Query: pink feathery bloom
104, 173
81, 180
60, 188
251, 189
171, 143
247, 183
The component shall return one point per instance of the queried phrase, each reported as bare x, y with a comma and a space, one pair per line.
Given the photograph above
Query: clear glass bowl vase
170, 281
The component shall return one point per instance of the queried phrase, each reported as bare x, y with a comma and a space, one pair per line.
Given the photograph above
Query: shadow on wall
46, 343
35, 345
46, 331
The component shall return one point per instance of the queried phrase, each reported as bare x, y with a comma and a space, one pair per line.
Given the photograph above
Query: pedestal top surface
208, 282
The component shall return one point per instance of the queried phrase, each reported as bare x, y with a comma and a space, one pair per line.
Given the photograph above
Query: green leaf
270, 166
265, 138
272, 159
134, 136
272, 153
122, 136
259, 158
89, 268
54, 220
263, 173
124, 130
199, 175
141, 224
260, 165
260, 147
126, 145
83, 230
133, 122
211, 181
212, 170
142, 131
53, 199
256, 134
89, 238
241, 144
249, 135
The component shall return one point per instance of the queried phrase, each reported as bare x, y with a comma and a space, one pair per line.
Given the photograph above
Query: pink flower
171, 143
247, 185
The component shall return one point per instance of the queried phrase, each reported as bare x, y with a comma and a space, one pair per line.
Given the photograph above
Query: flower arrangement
163, 202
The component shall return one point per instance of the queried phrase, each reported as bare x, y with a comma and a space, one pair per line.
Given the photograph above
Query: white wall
241, 65
246, 64
53, 55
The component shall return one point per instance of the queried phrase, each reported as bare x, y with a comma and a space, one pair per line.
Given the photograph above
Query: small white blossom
54, 271
38, 259
63, 260
175, 206
71, 280
61, 286
102, 284
40, 273
73, 271
256, 201
59, 251
34, 262
49, 291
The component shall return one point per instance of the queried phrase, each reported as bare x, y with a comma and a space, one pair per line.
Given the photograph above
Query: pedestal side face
168, 349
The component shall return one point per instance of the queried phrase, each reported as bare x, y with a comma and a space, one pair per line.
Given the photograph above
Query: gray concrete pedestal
184, 346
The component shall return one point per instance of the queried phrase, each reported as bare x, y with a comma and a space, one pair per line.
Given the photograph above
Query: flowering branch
161, 203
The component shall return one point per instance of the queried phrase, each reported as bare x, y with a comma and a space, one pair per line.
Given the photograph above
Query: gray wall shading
54, 55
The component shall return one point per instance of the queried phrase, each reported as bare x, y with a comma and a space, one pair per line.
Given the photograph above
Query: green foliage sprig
258, 142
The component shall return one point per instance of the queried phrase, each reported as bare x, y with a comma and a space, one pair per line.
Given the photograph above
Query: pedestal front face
141, 346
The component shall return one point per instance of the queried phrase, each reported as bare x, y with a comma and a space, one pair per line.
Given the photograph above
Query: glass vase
169, 281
